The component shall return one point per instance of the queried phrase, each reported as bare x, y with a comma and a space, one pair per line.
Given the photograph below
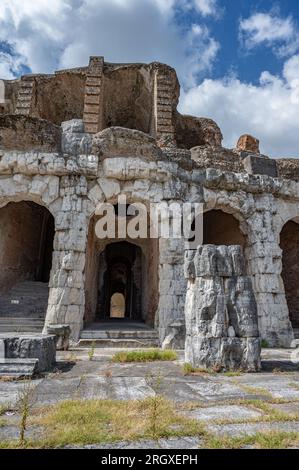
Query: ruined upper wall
143, 97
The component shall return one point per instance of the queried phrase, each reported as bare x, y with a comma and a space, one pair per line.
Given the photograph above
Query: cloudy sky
237, 60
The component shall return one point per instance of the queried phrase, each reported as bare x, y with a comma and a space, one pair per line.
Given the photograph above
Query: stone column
264, 258
265, 265
172, 289
66, 298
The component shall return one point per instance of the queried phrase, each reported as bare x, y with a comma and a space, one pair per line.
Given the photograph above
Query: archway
289, 243
220, 228
124, 266
26, 246
123, 276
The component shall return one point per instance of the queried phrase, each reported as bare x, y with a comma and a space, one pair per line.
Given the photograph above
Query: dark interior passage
289, 243
26, 244
120, 295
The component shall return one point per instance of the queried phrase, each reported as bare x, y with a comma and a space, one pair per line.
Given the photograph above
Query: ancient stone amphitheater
77, 138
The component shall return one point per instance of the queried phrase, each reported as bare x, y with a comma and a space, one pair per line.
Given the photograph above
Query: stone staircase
119, 335
23, 308
18, 368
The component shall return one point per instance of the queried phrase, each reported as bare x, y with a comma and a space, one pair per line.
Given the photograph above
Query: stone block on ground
62, 333
41, 347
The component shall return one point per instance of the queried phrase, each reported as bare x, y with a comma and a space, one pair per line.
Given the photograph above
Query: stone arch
289, 244
26, 251
96, 267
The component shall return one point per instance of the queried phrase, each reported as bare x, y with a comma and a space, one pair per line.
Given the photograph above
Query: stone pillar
166, 99
93, 116
25, 95
264, 257
66, 298
221, 313
172, 289
265, 265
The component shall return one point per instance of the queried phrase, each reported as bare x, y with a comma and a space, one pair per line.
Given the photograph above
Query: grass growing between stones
78, 422
145, 356
267, 440
188, 369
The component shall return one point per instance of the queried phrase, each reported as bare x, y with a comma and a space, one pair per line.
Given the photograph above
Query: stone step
119, 334
119, 343
18, 368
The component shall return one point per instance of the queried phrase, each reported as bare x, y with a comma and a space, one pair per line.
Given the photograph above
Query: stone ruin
77, 138
221, 312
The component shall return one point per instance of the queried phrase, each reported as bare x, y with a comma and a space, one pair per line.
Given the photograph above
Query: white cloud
268, 29
64, 33
269, 110
206, 7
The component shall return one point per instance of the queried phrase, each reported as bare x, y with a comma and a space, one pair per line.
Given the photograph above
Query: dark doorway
289, 243
26, 243
121, 293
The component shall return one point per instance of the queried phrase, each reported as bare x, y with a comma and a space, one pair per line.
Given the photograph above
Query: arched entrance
123, 277
289, 243
127, 267
26, 246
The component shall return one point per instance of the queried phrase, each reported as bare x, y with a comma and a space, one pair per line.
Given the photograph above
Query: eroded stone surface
221, 311
228, 412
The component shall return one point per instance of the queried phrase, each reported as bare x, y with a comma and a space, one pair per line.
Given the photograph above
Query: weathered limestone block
118, 141
62, 333
248, 143
257, 165
74, 140
176, 336
41, 347
220, 310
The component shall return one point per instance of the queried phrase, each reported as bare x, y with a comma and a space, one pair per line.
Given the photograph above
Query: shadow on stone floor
279, 366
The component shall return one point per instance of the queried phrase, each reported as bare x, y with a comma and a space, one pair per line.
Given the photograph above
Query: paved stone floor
216, 399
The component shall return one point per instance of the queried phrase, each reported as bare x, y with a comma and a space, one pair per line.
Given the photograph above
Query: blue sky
237, 60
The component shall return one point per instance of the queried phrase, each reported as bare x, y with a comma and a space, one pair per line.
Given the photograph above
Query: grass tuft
145, 356
266, 440
83, 422
264, 344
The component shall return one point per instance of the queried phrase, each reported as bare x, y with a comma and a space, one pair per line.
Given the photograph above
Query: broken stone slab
176, 336
62, 333
41, 347
18, 368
